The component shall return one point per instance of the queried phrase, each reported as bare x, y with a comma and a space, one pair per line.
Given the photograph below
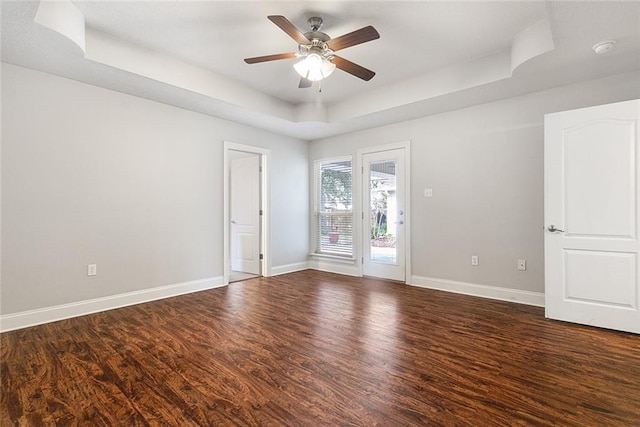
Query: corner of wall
289, 268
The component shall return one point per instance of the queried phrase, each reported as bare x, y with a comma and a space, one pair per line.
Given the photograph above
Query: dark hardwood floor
318, 349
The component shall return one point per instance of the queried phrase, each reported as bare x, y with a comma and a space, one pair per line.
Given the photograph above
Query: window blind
334, 207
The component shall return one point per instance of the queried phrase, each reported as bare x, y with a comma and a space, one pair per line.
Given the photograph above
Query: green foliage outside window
335, 188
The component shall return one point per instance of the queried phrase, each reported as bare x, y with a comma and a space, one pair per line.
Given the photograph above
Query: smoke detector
603, 47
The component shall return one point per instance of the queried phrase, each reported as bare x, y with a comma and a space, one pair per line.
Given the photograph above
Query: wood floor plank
313, 348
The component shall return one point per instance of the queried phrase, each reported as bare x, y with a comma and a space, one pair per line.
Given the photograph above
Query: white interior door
591, 216
383, 197
245, 214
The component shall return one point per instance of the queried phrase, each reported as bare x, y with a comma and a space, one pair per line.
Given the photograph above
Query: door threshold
402, 282
239, 276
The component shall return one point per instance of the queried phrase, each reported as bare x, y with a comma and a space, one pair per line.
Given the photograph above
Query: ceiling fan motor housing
317, 39
317, 35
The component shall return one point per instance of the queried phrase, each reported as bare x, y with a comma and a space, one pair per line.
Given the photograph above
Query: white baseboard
484, 291
289, 268
25, 319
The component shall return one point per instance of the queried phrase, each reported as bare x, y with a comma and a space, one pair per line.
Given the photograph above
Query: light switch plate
428, 192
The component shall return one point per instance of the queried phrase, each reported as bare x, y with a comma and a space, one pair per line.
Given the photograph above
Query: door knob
400, 222
552, 228
233, 222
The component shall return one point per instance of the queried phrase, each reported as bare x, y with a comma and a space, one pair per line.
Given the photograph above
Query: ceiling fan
317, 51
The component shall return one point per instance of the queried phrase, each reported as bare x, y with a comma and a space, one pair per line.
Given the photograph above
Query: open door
244, 197
591, 216
384, 214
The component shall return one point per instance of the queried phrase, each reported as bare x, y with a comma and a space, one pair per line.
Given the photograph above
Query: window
333, 207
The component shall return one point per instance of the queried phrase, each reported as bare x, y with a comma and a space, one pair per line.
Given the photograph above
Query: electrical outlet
92, 269
474, 260
428, 192
522, 264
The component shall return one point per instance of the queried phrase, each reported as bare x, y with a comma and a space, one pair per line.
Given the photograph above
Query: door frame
359, 238
265, 205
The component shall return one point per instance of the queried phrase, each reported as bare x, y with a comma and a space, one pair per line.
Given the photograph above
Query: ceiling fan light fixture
314, 67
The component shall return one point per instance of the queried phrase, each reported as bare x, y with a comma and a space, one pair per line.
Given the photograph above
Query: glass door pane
383, 212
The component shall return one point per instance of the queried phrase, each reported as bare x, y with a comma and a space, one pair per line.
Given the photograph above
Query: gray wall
95, 176
91, 175
485, 165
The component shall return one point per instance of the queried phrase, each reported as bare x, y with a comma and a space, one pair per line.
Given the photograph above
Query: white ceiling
431, 56
218, 35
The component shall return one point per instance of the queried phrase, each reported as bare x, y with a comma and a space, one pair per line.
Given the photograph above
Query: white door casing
385, 262
591, 198
245, 214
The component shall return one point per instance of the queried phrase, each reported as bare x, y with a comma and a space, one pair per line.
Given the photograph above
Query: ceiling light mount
603, 47
315, 23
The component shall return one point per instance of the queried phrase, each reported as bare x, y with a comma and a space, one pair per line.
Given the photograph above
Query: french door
384, 214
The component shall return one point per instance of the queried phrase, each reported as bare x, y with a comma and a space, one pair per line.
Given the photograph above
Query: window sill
336, 258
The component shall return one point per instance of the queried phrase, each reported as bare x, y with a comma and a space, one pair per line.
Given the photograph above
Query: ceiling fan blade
286, 26
353, 38
266, 58
304, 83
353, 68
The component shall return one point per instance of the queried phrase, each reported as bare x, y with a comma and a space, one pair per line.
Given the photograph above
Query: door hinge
362, 260
362, 170
362, 215
260, 211
260, 168
261, 256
